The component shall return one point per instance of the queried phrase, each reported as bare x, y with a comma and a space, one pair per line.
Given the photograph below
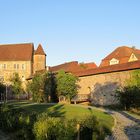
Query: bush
26, 126
129, 97
50, 128
17, 121
91, 129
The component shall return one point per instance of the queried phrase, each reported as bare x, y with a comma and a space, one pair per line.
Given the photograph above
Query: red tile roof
73, 66
39, 50
16, 52
108, 69
122, 54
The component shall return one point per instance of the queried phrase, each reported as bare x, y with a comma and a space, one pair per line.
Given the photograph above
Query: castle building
120, 55
99, 84
21, 59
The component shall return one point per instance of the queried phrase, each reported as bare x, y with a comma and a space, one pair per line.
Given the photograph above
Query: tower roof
39, 50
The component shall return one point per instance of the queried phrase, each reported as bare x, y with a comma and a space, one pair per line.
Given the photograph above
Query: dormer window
114, 61
132, 58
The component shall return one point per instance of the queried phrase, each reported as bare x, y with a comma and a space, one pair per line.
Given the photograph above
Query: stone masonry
102, 87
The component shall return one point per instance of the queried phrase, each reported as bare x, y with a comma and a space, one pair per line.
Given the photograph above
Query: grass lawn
65, 110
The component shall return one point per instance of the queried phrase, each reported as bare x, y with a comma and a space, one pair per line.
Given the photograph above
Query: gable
132, 58
113, 61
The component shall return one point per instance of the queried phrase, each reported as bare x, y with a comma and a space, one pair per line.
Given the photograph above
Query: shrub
129, 97
17, 121
91, 129
50, 128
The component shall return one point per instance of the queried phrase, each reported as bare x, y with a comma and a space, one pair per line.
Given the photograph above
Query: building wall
24, 69
102, 87
39, 62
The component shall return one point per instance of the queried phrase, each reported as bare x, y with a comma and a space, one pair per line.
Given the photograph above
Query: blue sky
70, 30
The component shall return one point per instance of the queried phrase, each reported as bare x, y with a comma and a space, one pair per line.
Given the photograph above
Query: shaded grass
65, 110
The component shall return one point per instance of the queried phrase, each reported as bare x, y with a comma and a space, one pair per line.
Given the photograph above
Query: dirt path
126, 127
3, 136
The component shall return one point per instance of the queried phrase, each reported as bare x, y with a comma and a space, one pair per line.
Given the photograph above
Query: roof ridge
16, 44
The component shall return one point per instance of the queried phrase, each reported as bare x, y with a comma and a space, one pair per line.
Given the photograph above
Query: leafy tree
130, 94
2, 88
50, 87
16, 84
2, 91
66, 84
36, 88
134, 79
42, 87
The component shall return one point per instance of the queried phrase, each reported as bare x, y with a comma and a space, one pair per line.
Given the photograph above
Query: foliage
36, 87
22, 123
2, 88
130, 94
134, 80
51, 128
16, 84
50, 87
18, 122
90, 128
129, 97
66, 84
42, 87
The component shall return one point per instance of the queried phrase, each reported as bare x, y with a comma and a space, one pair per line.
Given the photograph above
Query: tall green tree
36, 88
50, 87
130, 93
16, 85
134, 79
42, 87
66, 84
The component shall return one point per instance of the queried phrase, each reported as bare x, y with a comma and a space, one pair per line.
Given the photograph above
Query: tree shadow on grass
18, 104
53, 110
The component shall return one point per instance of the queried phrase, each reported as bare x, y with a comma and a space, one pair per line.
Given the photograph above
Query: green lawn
65, 110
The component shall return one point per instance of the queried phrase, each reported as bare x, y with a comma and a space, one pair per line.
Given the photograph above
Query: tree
36, 88
2, 91
50, 87
16, 84
66, 84
134, 79
130, 93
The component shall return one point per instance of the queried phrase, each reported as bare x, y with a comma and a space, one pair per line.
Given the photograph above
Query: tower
39, 59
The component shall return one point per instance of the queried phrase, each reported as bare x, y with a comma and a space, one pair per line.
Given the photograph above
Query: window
4, 66
23, 67
132, 58
114, 61
16, 66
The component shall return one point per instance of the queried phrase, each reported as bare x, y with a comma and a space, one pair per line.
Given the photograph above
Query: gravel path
126, 127
3, 136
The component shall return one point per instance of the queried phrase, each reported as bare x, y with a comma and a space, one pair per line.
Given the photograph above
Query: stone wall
102, 87
24, 70
39, 62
